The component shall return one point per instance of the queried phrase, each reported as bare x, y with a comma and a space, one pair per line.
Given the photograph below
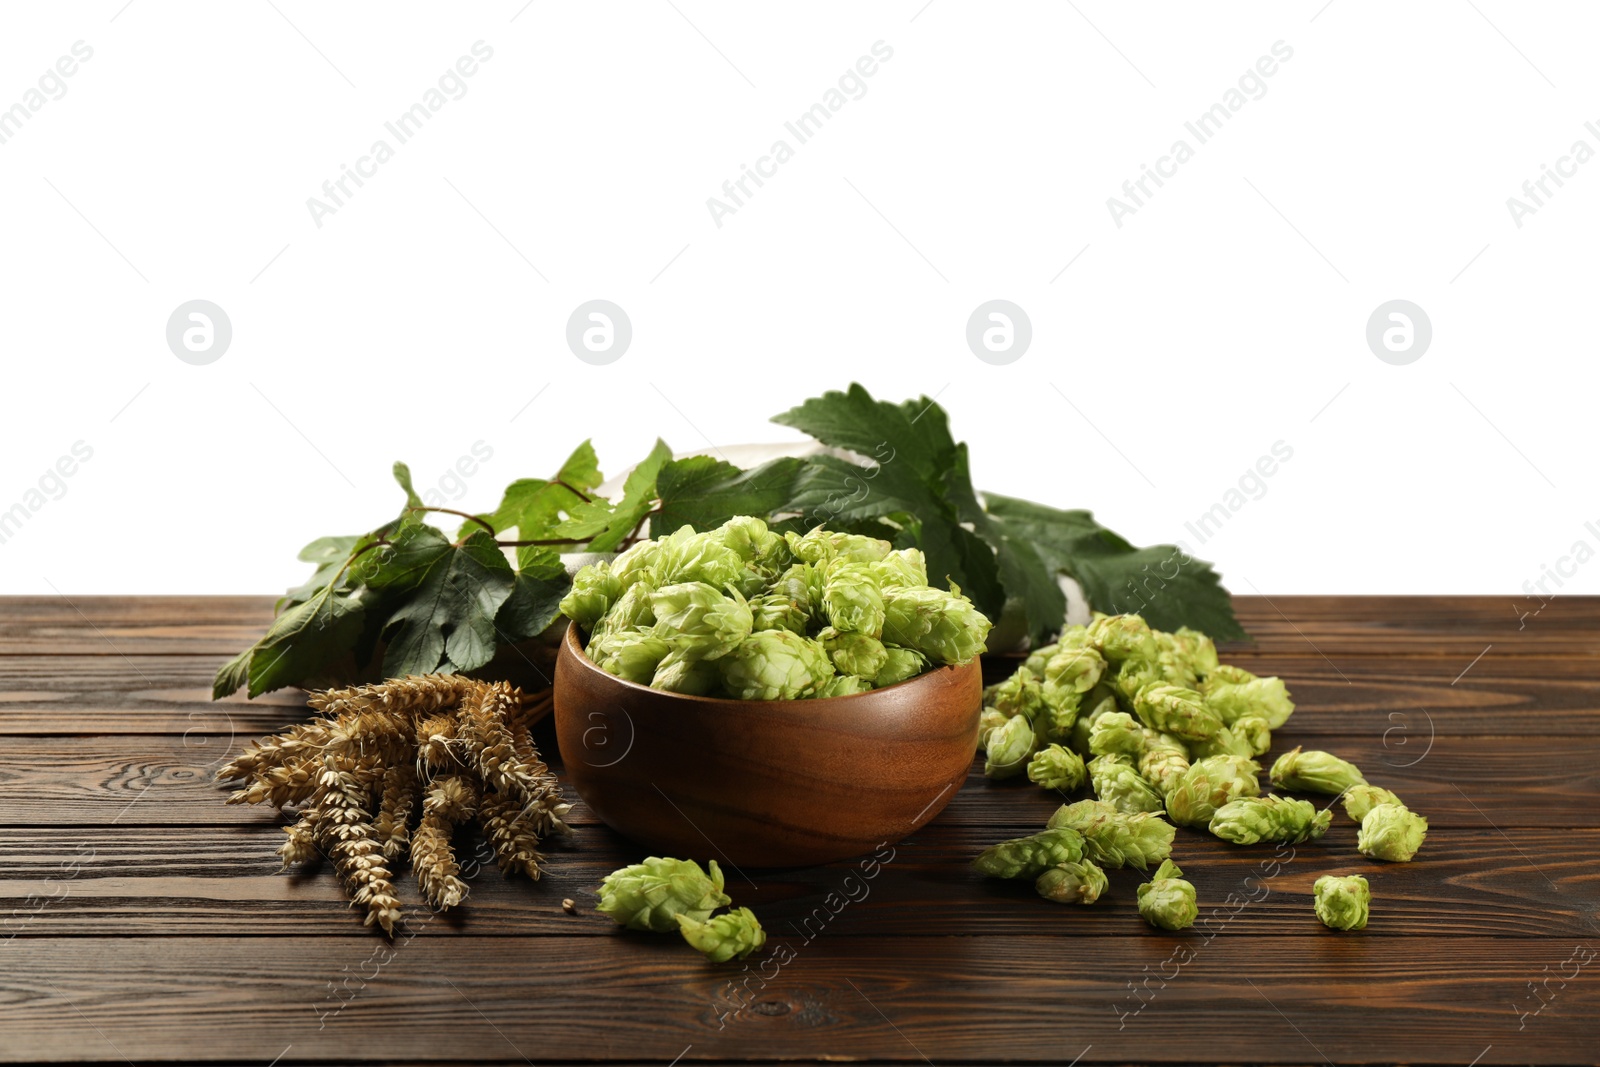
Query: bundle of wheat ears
400, 765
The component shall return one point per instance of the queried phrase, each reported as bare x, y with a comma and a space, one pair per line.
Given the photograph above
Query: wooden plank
165, 781
225, 881
67, 695
1046, 998
1445, 627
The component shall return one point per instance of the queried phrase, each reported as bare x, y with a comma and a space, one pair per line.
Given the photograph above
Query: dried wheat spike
393, 826
357, 853
302, 740
280, 785
435, 735
421, 694
483, 717
384, 735
301, 846
448, 801
516, 846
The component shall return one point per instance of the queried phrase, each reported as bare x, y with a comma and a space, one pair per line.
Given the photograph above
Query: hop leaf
1341, 902
1114, 839
651, 895
1072, 883
1249, 820
1391, 832
1167, 901
734, 934
1027, 857
1314, 771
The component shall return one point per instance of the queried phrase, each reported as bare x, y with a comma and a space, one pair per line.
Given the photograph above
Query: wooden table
146, 921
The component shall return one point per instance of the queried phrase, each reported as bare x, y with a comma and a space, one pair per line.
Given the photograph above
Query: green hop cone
1225, 742
801, 583
945, 627
1391, 832
686, 556
1208, 785
1008, 748
628, 654
899, 665
630, 611
1054, 767
775, 665
1360, 799
1122, 637
1175, 710
852, 599
1019, 694
1083, 724
680, 673
1266, 697
1039, 657
906, 566
1197, 650
1114, 839
1341, 902
651, 895
777, 611
1080, 668
1058, 711
1167, 901
1163, 759
820, 546
732, 935
1117, 783
1313, 771
1027, 857
1249, 820
844, 685
1072, 883
1116, 734
758, 546
988, 720
593, 591
1253, 732
854, 653
634, 565
700, 622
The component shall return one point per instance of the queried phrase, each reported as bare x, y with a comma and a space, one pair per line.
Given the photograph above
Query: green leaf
1169, 588
305, 639
447, 622
329, 554
705, 492
535, 507
233, 675
582, 469
532, 606
402, 474
604, 525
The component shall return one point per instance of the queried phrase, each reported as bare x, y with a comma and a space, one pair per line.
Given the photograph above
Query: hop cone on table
1027, 857
1208, 785
1313, 771
1117, 783
1360, 799
1391, 832
1122, 637
653, 894
1265, 697
1116, 734
1079, 668
1020, 694
731, 935
1341, 902
1008, 747
1250, 820
1163, 759
1072, 883
1114, 839
1054, 767
1172, 709
1167, 901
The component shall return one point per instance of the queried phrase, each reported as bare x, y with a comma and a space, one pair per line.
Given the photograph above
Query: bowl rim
570, 638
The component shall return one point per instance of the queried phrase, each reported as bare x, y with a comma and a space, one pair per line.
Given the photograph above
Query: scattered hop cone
1163, 759
1360, 799
775, 665
1079, 668
1391, 832
1175, 710
1118, 784
1341, 903
594, 588
1020, 694
1225, 742
734, 934
1054, 767
945, 627
1253, 732
1039, 657
1027, 857
1083, 725
1116, 734
1114, 839
1208, 785
1197, 650
1265, 697
1072, 883
1167, 901
1250, 820
1058, 712
628, 654
778, 611
1314, 771
651, 895
698, 621
1122, 637
989, 720
1008, 748
852, 599
899, 665
854, 653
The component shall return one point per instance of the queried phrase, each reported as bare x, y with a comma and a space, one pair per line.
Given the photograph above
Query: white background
424, 316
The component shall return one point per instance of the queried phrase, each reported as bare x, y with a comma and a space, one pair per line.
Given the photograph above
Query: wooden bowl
764, 783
